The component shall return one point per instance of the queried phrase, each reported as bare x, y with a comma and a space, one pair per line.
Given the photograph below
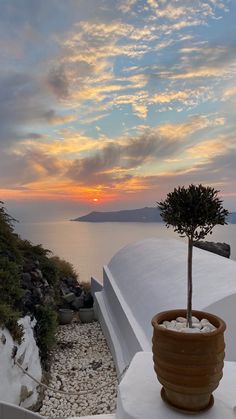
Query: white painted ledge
109, 416
10, 411
139, 394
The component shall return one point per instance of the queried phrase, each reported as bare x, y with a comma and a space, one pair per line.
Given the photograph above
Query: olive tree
193, 212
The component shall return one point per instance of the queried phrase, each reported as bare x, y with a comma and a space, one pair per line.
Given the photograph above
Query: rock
221, 249
26, 280
88, 300
179, 326
205, 322
161, 326
69, 298
39, 273
45, 283
171, 324
37, 294
78, 303
190, 330
181, 320
35, 276
205, 329
195, 319
197, 325
3, 339
82, 361
24, 393
21, 358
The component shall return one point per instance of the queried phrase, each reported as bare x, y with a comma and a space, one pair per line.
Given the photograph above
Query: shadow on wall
226, 309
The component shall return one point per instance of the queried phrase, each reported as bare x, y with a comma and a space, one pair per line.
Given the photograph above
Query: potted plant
189, 361
86, 313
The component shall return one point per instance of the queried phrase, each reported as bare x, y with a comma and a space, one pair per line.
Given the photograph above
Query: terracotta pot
189, 366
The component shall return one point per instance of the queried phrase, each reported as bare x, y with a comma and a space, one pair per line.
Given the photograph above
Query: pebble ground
81, 361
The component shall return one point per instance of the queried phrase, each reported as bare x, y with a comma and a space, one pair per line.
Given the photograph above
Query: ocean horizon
90, 246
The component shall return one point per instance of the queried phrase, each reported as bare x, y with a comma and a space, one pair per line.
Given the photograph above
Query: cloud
191, 126
208, 149
19, 170
128, 154
58, 81
23, 105
53, 118
126, 5
68, 146
123, 63
229, 93
151, 162
92, 65
186, 10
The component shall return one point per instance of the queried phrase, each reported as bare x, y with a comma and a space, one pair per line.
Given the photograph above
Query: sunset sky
110, 104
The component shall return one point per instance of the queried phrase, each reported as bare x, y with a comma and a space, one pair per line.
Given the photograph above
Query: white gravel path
81, 361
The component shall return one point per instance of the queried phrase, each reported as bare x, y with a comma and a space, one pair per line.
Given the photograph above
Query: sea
90, 246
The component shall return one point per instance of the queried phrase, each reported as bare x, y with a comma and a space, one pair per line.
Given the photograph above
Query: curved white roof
151, 276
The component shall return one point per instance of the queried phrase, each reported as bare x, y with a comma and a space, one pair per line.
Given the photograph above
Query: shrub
8, 318
8, 240
31, 251
65, 269
50, 271
45, 329
10, 294
86, 286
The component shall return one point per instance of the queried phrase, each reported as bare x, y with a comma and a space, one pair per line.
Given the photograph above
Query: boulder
78, 302
222, 249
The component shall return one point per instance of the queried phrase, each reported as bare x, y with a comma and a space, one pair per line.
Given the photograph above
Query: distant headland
140, 215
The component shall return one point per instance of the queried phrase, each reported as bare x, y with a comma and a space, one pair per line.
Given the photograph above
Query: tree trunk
190, 286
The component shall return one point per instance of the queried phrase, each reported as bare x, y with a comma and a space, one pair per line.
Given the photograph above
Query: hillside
33, 283
143, 215
232, 218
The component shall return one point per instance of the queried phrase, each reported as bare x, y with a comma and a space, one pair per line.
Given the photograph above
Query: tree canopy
193, 211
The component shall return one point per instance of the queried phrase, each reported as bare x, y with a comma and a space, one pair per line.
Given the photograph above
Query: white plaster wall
226, 308
123, 333
12, 378
149, 276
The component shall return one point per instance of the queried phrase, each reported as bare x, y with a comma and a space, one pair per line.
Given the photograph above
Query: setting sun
95, 199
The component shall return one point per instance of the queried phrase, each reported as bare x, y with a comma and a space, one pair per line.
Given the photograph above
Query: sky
110, 104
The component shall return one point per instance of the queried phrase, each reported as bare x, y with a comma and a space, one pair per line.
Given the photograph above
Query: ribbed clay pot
189, 366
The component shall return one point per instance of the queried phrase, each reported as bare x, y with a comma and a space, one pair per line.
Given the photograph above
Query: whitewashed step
112, 416
139, 394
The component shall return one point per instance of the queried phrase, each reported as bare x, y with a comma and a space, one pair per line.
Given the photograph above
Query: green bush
10, 295
8, 318
10, 282
45, 329
18, 256
31, 251
65, 269
50, 271
8, 240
